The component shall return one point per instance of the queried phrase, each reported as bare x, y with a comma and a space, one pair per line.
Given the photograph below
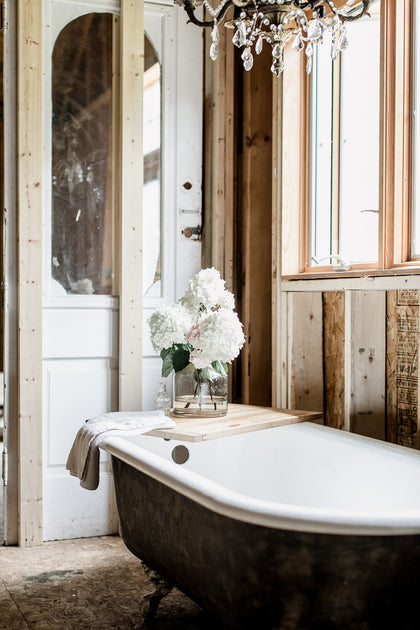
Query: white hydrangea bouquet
201, 332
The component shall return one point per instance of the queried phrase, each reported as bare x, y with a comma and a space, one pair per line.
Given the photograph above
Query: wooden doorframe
29, 251
131, 195
29, 23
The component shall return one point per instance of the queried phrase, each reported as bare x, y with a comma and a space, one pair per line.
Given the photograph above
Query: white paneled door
82, 233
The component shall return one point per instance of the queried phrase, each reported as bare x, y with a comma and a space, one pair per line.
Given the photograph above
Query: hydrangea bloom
217, 336
169, 324
199, 330
206, 291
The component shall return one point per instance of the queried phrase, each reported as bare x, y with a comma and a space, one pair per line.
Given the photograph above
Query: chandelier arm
364, 11
190, 7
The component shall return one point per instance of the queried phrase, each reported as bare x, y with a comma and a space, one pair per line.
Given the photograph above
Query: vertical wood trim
255, 220
116, 151
219, 167
220, 159
276, 297
387, 135
334, 338
335, 184
403, 326
29, 173
304, 184
403, 130
294, 159
11, 274
131, 195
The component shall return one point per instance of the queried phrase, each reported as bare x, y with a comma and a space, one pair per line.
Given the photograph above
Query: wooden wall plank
334, 336
403, 325
276, 297
254, 230
219, 163
365, 362
219, 217
29, 148
305, 352
131, 194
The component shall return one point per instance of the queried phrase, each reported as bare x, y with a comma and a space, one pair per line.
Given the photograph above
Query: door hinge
4, 20
4, 466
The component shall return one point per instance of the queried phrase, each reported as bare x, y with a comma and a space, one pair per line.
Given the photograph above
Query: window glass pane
416, 143
344, 189
359, 141
82, 190
321, 150
152, 172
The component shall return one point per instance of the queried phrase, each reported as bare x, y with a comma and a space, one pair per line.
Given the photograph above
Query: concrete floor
91, 583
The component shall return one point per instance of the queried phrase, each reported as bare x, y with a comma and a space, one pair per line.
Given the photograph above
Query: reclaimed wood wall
238, 205
354, 355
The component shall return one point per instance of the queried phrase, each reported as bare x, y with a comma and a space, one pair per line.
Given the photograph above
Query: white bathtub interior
305, 465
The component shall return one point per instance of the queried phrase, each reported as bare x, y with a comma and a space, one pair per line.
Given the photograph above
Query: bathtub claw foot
150, 602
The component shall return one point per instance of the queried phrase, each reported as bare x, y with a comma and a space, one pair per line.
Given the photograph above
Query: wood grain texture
131, 194
239, 419
365, 362
305, 351
333, 336
294, 158
387, 135
220, 163
29, 168
254, 266
403, 129
219, 229
276, 296
403, 308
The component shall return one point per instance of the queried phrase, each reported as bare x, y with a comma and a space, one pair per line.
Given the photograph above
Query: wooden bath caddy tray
239, 419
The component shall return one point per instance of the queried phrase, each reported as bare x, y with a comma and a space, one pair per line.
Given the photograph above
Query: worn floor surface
92, 583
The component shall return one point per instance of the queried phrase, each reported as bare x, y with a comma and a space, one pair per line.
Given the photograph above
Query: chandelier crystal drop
278, 22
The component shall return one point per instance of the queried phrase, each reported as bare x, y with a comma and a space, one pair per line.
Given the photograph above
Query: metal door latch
189, 231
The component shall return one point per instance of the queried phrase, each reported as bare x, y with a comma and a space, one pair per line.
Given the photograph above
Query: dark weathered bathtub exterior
262, 578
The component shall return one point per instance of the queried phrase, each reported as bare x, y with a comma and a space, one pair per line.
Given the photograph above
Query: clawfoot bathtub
299, 527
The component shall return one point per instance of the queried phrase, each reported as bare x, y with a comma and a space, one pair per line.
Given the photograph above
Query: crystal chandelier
277, 22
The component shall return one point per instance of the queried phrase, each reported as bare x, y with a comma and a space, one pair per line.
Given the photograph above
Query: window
353, 206
344, 137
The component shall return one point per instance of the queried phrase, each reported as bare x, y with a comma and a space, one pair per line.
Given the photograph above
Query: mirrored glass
152, 219
82, 157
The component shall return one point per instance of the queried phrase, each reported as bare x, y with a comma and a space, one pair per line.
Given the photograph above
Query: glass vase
198, 397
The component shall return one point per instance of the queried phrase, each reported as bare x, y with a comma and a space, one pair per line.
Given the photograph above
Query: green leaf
225, 367
167, 364
164, 352
218, 367
181, 358
206, 375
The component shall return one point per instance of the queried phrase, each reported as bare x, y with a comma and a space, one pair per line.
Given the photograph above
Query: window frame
396, 151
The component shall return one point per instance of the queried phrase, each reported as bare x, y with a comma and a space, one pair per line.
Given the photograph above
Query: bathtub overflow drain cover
180, 454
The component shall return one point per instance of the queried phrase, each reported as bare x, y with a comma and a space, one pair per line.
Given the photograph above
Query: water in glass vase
199, 397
